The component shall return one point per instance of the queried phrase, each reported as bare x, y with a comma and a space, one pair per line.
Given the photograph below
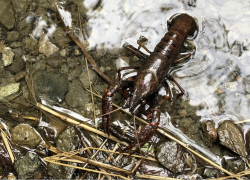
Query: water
216, 79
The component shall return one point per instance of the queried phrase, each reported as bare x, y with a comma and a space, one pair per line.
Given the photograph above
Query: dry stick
178, 141
86, 160
6, 143
154, 177
87, 55
86, 127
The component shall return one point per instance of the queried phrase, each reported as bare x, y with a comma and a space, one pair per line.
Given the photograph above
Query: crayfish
151, 75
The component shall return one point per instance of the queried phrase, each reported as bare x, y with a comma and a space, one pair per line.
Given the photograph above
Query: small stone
31, 45
84, 77
9, 90
12, 36
231, 137
46, 47
16, 44
77, 52
169, 155
25, 135
28, 166
7, 56
234, 164
209, 131
210, 172
67, 140
7, 14
63, 53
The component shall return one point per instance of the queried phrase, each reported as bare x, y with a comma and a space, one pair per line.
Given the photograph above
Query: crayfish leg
178, 85
146, 133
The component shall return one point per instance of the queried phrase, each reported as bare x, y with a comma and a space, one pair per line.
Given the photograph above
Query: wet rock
231, 137
5, 161
84, 77
46, 47
210, 172
12, 36
75, 74
7, 56
16, 44
63, 53
67, 140
60, 172
28, 166
169, 155
55, 63
191, 177
77, 96
50, 86
209, 130
233, 164
17, 65
25, 135
153, 168
20, 6
7, 14
31, 45
24, 27
61, 38
8, 90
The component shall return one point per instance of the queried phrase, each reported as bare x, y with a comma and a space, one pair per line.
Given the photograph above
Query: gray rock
234, 164
209, 131
17, 65
7, 14
7, 56
60, 38
231, 137
60, 172
31, 45
16, 44
28, 166
8, 90
50, 86
77, 96
84, 77
25, 135
67, 140
12, 36
210, 172
46, 47
169, 155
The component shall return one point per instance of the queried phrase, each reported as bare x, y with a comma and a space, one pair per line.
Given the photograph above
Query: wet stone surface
25, 135
209, 131
28, 166
50, 86
67, 141
231, 137
233, 164
7, 14
169, 154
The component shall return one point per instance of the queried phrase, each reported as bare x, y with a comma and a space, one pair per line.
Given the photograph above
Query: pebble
7, 56
9, 90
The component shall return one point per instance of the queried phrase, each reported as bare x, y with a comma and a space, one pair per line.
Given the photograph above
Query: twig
87, 55
6, 143
178, 141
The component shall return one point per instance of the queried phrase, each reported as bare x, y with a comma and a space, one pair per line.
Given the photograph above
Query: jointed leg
136, 51
170, 96
141, 42
178, 85
148, 130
